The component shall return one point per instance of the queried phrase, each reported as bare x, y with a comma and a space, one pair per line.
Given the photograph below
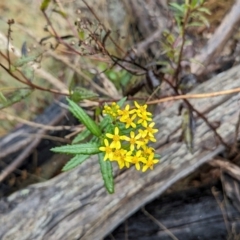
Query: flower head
107, 149
115, 138
143, 119
133, 140
111, 110
150, 162
125, 112
134, 129
141, 109
150, 130
136, 159
129, 121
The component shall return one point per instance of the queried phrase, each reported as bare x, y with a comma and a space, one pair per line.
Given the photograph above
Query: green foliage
84, 148
44, 5
80, 94
81, 136
107, 173
2, 98
83, 151
189, 14
121, 102
75, 161
15, 97
81, 115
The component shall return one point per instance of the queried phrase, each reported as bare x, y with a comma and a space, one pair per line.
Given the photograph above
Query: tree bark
75, 204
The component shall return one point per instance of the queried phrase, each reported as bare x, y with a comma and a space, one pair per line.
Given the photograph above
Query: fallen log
75, 204
190, 214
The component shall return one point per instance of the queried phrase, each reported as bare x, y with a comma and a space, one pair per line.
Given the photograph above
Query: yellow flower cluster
133, 130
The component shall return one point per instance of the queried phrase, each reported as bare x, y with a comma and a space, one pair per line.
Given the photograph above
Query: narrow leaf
44, 5
177, 7
106, 121
80, 94
85, 148
81, 136
17, 96
74, 162
81, 115
205, 10
107, 173
121, 102
2, 98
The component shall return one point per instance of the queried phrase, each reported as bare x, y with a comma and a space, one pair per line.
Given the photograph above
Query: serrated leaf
81, 115
80, 94
81, 136
17, 96
107, 173
85, 148
44, 5
121, 102
24, 60
74, 162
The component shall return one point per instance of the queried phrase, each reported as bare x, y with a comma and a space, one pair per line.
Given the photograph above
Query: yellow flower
147, 150
143, 133
111, 110
136, 159
121, 158
141, 109
150, 162
115, 138
148, 138
133, 140
129, 121
144, 118
125, 112
150, 130
107, 149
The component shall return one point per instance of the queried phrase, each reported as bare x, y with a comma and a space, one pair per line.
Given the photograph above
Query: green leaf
74, 162
80, 94
107, 173
204, 20
157, 155
24, 60
2, 98
81, 115
121, 102
205, 10
178, 7
125, 78
195, 24
81, 136
17, 96
85, 148
81, 35
44, 5
106, 121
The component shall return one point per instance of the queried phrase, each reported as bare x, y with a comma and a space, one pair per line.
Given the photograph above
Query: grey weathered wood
75, 205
